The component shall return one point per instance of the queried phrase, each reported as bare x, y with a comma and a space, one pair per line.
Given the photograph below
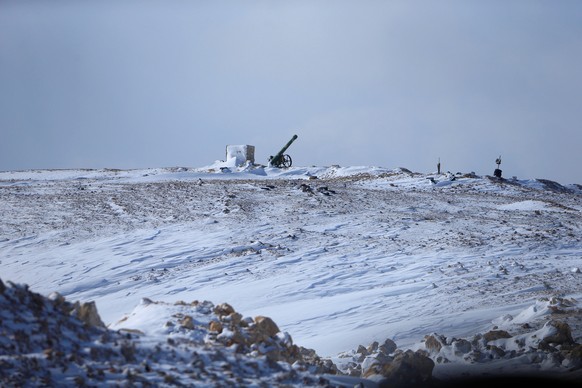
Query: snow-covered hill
479, 275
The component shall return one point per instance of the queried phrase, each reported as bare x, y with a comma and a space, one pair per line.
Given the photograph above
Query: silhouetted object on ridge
497, 172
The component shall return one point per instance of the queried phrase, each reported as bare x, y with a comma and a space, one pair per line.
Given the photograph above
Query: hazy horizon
128, 84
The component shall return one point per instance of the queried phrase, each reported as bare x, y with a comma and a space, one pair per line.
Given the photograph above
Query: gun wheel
286, 161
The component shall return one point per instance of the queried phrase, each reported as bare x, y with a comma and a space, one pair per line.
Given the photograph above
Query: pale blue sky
135, 84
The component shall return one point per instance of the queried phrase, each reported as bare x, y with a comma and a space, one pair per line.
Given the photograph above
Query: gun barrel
287, 145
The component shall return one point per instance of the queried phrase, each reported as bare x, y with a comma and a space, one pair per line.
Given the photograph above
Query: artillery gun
281, 159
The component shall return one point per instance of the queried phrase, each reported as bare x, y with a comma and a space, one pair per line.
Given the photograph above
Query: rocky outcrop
42, 337
550, 345
260, 336
392, 366
52, 342
46, 341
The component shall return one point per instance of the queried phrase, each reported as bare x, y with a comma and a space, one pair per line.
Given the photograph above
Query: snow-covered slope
337, 257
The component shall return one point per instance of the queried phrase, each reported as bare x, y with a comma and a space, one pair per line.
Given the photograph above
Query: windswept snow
337, 257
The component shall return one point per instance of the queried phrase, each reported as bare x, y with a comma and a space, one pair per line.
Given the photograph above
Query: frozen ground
337, 257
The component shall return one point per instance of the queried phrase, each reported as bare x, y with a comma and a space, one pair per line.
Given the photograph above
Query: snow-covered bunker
241, 154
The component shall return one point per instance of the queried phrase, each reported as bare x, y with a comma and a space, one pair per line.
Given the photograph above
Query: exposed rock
355, 369
215, 326
372, 364
373, 347
495, 334
434, 343
383, 357
362, 350
187, 322
561, 335
315, 363
359, 358
223, 309
388, 347
265, 327
234, 318
461, 346
573, 357
496, 351
87, 312
408, 369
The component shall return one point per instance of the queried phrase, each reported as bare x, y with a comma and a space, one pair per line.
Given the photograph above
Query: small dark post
439, 166
497, 171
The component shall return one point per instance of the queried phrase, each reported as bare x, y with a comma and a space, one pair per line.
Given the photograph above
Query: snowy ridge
227, 170
337, 256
